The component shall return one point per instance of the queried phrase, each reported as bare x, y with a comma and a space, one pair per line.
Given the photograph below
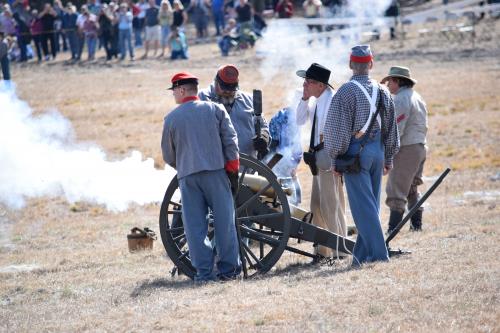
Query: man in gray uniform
239, 105
411, 117
199, 141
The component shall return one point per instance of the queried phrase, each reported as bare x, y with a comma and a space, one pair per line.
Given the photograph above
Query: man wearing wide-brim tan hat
411, 117
399, 72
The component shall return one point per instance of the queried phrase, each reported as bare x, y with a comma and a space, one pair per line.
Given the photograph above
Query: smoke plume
288, 46
39, 156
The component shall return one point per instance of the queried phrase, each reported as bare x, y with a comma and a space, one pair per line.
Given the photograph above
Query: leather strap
313, 130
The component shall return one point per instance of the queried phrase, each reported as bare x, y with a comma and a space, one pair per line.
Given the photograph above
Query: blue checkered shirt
349, 111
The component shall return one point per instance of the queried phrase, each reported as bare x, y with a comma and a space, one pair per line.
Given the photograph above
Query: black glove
260, 145
233, 180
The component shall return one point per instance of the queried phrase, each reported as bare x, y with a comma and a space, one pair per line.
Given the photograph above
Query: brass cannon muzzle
300, 213
256, 183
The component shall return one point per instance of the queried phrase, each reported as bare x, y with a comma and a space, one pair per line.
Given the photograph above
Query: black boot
416, 221
394, 220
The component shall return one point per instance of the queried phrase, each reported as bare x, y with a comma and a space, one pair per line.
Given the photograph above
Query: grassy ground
66, 267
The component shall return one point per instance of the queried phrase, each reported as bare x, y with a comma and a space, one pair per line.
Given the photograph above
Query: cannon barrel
296, 212
256, 183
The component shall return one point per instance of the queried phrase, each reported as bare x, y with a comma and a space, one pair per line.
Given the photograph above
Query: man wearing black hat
200, 142
239, 105
327, 196
353, 127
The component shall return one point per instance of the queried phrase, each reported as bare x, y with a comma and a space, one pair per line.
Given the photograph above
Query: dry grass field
66, 267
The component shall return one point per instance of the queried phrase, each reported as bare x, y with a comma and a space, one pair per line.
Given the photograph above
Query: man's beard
226, 101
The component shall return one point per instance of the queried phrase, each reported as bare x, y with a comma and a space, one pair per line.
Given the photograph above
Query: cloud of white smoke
40, 157
288, 46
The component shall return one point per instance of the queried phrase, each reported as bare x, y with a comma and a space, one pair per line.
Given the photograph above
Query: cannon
265, 222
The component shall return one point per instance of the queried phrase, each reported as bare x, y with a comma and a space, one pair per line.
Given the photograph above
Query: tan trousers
405, 176
328, 206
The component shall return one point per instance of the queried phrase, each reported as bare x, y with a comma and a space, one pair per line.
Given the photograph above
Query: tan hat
399, 71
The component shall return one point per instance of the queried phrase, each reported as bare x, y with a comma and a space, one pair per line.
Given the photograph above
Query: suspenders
373, 105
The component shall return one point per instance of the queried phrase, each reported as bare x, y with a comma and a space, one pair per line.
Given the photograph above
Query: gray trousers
199, 192
328, 206
405, 177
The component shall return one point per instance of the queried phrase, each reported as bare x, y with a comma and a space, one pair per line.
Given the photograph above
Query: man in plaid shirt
348, 116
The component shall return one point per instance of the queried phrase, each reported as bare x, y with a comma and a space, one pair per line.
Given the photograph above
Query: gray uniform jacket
198, 136
411, 116
242, 116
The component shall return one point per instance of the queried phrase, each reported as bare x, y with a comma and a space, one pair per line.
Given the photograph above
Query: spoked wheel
262, 220
262, 217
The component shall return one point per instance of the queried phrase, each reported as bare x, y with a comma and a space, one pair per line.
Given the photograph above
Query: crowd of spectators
120, 27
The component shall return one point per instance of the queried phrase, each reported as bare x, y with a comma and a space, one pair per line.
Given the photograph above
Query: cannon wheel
260, 247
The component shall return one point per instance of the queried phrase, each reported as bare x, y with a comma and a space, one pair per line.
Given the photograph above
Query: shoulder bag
348, 163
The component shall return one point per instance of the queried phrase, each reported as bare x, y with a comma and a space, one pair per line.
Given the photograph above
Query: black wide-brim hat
316, 72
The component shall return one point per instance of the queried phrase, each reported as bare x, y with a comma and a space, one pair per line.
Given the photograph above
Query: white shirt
80, 21
305, 110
